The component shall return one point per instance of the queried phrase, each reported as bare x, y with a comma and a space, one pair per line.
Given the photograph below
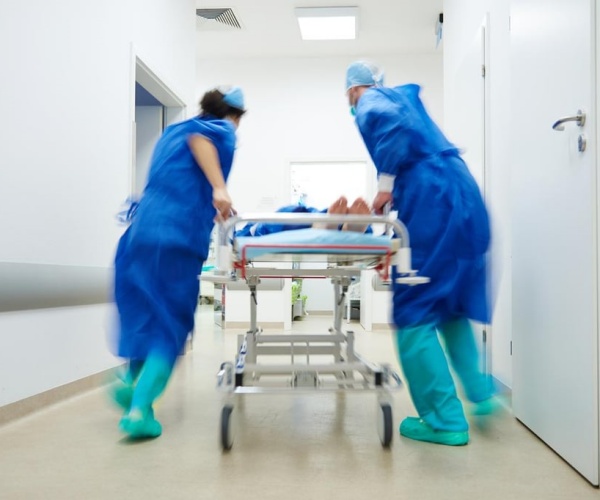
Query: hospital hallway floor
300, 446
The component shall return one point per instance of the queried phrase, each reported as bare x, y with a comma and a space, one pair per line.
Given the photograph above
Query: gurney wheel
226, 428
385, 424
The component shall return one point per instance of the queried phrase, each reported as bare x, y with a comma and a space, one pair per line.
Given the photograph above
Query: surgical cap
363, 73
233, 96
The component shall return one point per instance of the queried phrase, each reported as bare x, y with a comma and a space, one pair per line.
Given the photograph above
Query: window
318, 184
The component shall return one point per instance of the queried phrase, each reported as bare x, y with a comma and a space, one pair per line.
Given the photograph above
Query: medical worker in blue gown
160, 256
424, 178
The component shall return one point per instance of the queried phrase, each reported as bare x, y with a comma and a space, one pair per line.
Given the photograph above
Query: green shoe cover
121, 393
140, 425
486, 407
417, 429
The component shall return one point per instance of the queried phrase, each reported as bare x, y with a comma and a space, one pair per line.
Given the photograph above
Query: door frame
595, 112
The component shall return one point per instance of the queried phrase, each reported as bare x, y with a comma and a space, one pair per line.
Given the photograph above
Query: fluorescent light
327, 23
327, 28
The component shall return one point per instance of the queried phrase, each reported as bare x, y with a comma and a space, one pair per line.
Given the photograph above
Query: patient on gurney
338, 207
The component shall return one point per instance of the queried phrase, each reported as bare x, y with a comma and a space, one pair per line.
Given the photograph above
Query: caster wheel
385, 425
226, 428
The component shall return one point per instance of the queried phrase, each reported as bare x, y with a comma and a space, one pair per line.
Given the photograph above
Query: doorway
156, 106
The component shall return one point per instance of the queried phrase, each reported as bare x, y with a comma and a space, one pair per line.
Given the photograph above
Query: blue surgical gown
176, 207
160, 255
437, 199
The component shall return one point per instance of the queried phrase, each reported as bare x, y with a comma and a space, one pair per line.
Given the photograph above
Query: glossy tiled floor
322, 446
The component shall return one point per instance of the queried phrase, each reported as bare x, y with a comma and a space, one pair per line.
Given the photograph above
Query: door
154, 107
554, 221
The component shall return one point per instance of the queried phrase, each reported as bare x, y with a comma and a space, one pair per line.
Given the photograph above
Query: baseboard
27, 406
501, 388
319, 313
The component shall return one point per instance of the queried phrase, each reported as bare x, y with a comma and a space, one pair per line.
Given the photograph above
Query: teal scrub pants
428, 376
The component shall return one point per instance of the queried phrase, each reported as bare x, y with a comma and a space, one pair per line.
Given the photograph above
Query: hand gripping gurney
346, 254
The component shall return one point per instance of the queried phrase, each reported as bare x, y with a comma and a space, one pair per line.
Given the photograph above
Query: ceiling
269, 29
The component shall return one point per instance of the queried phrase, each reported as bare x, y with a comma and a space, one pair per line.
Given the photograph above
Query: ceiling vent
217, 19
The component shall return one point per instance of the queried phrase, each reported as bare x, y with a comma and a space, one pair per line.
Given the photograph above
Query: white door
555, 276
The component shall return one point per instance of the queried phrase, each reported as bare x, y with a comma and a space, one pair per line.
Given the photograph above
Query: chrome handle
579, 119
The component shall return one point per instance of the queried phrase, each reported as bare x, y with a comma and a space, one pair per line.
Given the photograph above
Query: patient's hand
359, 207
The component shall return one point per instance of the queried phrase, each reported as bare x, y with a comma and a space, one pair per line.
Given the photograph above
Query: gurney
276, 363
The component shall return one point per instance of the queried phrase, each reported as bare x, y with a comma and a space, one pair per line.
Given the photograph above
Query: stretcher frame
348, 371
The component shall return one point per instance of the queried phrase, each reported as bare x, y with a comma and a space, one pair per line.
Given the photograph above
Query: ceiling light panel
327, 23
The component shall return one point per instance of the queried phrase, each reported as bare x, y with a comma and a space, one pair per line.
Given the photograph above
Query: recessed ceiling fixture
327, 23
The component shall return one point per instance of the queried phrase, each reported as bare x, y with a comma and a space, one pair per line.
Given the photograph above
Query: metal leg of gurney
241, 377
340, 288
381, 375
247, 342
231, 376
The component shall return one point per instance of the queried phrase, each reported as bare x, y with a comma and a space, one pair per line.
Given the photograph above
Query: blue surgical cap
233, 96
363, 73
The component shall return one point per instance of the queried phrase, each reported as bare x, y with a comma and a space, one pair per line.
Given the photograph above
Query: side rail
401, 259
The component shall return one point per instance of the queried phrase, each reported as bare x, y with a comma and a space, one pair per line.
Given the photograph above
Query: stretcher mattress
318, 242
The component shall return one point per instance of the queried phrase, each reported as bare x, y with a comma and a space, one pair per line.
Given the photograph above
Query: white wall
298, 111
274, 307
65, 158
462, 20
48, 348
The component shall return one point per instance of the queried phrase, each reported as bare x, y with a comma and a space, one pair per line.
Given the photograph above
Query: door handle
579, 118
